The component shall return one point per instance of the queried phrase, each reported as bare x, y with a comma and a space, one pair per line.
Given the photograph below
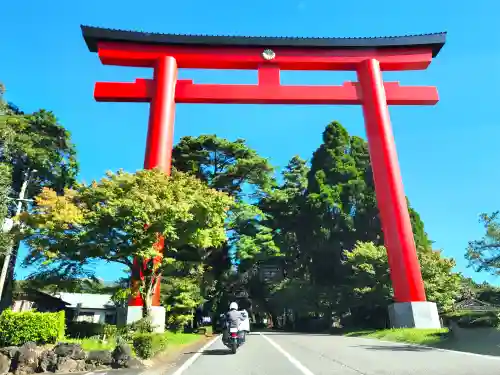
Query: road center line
294, 361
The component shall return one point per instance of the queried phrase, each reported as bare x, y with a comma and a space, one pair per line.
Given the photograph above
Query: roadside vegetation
429, 337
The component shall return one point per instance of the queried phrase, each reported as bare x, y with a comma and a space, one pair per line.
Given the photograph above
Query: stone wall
63, 358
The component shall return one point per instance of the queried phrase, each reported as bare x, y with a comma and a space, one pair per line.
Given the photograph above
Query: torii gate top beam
268, 56
131, 48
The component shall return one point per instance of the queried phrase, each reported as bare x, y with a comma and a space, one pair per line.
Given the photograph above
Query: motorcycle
234, 340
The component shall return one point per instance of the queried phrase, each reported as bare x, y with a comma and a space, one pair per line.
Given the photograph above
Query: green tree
236, 169
30, 142
484, 254
119, 219
370, 284
318, 214
181, 295
230, 167
334, 199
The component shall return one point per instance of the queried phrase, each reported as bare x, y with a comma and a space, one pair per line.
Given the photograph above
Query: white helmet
233, 306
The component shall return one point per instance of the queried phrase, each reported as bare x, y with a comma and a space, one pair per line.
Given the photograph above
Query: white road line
194, 357
288, 356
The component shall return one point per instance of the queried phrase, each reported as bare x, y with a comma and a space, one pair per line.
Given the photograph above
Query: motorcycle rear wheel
234, 346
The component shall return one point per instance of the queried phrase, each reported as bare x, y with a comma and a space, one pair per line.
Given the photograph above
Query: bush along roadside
16, 328
146, 345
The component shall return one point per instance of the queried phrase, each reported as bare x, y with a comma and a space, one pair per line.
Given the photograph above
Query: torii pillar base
134, 313
422, 315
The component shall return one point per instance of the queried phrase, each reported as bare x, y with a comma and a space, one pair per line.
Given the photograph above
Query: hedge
17, 328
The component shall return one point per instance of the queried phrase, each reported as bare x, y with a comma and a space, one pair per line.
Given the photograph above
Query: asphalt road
308, 354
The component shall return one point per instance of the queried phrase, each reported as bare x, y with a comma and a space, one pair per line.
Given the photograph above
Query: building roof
93, 35
474, 304
87, 300
30, 293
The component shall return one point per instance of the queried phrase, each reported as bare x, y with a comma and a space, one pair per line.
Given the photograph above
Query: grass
93, 344
407, 335
173, 340
181, 339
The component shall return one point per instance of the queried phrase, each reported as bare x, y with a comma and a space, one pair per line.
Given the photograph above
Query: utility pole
20, 200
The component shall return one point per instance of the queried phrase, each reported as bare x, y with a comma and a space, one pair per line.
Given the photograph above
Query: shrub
79, 330
110, 330
147, 345
17, 328
473, 319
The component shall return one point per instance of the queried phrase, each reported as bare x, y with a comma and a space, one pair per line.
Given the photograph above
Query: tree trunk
146, 306
147, 298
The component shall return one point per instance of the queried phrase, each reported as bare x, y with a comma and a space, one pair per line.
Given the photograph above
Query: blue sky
448, 153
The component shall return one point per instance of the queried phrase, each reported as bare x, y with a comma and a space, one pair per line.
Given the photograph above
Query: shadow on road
211, 352
395, 348
216, 352
288, 333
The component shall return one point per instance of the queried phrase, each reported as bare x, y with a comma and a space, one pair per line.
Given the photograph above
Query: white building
92, 308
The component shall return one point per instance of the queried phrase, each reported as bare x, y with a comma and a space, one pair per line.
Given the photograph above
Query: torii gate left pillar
136, 49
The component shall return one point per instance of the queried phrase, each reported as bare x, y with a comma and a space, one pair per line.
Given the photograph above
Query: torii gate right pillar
411, 308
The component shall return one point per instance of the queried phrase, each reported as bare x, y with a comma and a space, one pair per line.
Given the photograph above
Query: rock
10, 351
121, 355
80, 365
48, 361
30, 345
90, 367
4, 364
99, 357
27, 359
73, 351
66, 364
134, 363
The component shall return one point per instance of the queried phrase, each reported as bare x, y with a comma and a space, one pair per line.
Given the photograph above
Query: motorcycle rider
233, 320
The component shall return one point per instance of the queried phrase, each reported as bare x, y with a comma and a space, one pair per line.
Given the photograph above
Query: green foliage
317, 215
341, 206
484, 254
38, 142
63, 280
120, 217
442, 285
19, 328
473, 319
224, 165
110, 330
146, 345
143, 325
90, 344
30, 142
371, 281
120, 297
181, 295
408, 335
238, 170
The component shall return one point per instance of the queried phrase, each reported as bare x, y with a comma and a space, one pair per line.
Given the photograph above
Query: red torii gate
166, 53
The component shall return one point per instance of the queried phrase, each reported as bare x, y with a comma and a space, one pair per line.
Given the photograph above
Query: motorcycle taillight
234, 334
